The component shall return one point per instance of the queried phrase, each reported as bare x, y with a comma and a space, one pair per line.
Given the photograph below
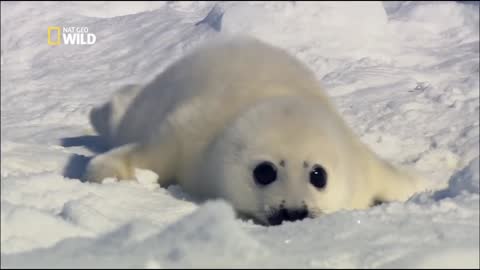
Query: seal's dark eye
265, 173
318, 176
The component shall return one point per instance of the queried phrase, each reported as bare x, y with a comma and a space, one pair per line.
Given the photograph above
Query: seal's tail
106, 118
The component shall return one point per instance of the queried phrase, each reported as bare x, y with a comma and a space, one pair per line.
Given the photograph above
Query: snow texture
405, 75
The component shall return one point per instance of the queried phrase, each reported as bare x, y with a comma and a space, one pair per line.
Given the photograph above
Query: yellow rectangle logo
50, 29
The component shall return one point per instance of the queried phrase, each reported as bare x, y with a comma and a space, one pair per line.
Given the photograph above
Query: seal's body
246, 122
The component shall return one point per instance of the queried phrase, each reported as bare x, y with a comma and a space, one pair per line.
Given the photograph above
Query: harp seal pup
244, 121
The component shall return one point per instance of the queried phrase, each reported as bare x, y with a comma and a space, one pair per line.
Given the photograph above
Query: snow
405, 75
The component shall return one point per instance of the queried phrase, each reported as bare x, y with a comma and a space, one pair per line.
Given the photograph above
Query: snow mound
209, 232
464, 181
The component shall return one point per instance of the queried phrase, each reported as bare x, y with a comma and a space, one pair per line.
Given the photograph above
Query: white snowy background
405, 75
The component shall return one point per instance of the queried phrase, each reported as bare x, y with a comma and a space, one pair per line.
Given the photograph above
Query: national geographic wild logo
70, 35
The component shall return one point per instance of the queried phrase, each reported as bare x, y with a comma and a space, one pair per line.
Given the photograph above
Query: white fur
208, 119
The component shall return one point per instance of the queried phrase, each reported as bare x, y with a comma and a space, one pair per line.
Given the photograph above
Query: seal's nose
284, 214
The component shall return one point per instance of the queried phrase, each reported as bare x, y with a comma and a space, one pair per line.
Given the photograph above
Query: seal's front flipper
396, 184
112, 164
159, 155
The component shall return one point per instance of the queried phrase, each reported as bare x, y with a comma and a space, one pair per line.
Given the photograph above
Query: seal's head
284, 159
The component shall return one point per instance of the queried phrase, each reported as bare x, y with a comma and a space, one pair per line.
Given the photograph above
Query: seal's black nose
284, 214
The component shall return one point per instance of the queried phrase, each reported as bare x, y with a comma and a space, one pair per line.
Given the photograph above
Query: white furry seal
246, 122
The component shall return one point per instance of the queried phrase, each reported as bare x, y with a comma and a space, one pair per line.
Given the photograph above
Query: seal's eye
265, 173
318, 176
